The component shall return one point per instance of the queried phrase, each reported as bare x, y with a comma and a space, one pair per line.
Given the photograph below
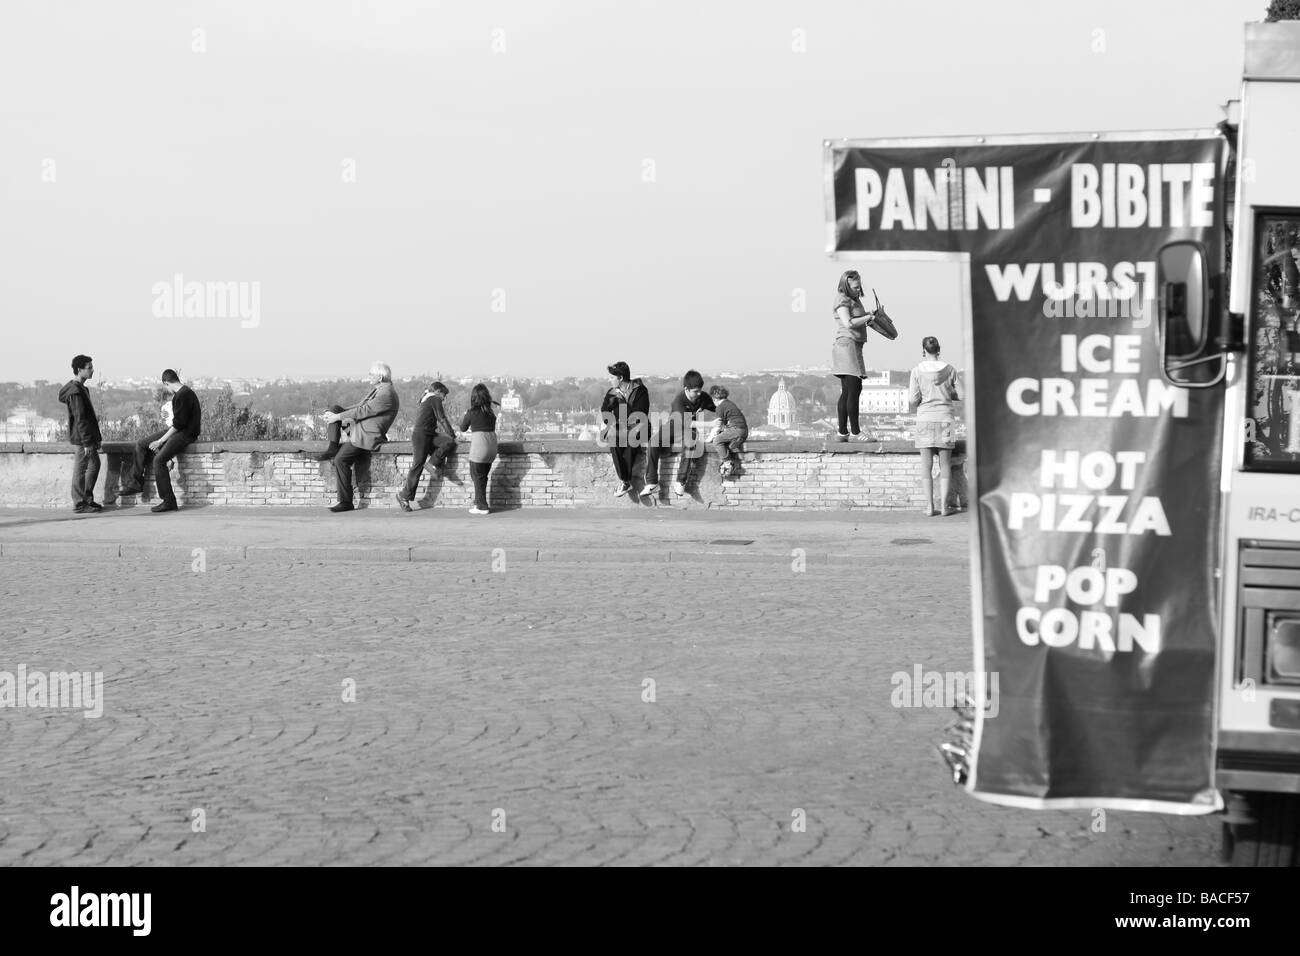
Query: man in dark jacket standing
83, 432
165, 445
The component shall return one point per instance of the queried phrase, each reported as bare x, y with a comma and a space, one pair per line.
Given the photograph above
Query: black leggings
479, 472
850, 395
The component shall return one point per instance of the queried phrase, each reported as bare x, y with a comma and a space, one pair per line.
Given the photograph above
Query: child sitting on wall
731, 430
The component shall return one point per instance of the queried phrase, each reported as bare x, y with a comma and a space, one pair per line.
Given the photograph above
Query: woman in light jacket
932, 388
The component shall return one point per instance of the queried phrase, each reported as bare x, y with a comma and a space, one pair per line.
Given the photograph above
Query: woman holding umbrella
851, 323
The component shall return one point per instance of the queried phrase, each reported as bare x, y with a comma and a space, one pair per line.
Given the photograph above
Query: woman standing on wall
481, 423
932, 390
851, 319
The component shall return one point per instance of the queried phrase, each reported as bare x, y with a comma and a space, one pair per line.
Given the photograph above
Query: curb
428, 554
59, 549
348, 554
342, 554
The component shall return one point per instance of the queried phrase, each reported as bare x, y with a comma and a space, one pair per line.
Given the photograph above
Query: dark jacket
432, 418
187, 418
479, 419
83, 423
623, 428
687, 410
730, 415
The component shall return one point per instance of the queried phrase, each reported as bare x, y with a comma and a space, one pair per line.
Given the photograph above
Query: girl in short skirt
481, 423
932, 390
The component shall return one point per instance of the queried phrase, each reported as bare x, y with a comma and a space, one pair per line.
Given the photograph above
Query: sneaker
679, 489
341, 507
841, 437
863, 436
650, 489
80, 509
929, 512
725, 469
949, 512
164, 506
402, 503
476, 510
94, 506
623, 489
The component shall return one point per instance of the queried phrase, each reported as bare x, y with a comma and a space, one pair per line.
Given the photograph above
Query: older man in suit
364, 427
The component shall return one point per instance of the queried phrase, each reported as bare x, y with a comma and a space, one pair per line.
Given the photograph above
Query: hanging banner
1095, 484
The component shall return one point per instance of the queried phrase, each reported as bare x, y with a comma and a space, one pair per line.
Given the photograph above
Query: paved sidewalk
637, 535
272, 705
713, 713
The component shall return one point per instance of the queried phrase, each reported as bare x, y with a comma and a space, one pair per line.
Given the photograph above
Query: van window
1273, 423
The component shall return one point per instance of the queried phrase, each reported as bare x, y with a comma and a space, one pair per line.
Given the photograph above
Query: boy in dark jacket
83, 432
432, 439
676, 434
625, 413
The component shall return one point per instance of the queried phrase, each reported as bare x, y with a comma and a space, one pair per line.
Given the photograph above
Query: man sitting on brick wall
366, 425
167, 444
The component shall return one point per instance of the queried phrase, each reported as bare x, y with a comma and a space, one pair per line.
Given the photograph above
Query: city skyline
782, 412
206, 381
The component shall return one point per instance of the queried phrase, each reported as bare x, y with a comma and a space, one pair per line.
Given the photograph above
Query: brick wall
775, 475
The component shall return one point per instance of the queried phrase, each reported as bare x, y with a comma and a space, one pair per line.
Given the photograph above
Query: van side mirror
1185, 318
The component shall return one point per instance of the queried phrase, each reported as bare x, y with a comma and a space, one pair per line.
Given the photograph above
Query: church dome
781, 407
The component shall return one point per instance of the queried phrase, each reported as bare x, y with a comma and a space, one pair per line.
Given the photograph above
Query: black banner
1096, 482
158, 909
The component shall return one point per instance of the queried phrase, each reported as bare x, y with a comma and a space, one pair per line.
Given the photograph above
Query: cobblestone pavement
514, 696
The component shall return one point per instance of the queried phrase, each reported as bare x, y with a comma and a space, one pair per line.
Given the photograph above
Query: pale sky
501, 152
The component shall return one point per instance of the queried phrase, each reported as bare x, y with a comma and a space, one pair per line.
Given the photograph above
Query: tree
226, 421
593, 394
1282, 10
145, 420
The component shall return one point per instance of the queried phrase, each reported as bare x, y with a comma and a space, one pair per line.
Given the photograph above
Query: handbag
881, 322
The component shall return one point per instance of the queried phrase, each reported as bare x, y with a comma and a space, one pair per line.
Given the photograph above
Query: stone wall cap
780, 446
